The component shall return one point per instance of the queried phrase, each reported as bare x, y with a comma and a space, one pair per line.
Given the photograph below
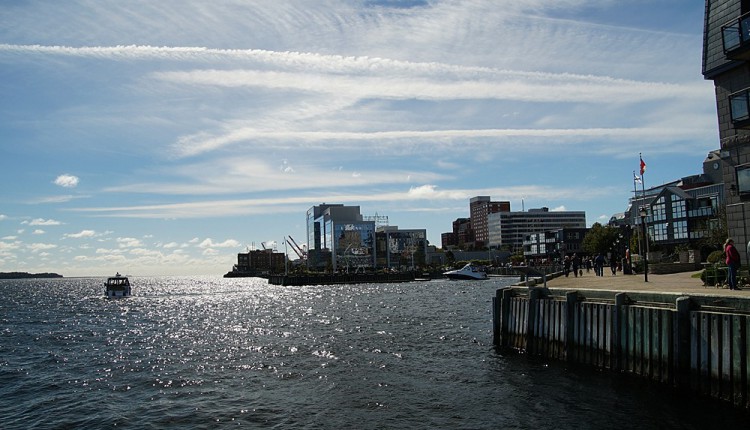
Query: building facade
508, 229
681, 212
260, 261
480, 208
554, 244
726, 61
400, 249
338, 235
459, 236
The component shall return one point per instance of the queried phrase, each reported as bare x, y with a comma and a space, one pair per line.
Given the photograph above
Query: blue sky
165, 137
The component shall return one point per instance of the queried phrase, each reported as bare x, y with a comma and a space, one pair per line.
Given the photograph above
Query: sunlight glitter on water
191, 352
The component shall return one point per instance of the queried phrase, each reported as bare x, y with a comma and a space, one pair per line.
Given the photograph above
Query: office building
480, 208
554, 244
507, 229
400, 249
338, 235
459, 236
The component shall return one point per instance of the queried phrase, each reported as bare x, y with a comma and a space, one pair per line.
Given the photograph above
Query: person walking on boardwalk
599, 265
576, 262
733, 263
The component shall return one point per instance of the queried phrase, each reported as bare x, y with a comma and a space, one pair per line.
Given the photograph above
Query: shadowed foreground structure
672, 329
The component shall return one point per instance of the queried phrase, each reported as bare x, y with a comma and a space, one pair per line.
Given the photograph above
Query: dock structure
697, 340
339, 278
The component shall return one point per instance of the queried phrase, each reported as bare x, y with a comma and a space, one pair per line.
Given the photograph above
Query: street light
643, 213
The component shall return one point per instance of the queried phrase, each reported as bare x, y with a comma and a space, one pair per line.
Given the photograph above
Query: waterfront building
459, 236
726, 61
681, 212
508, 229
400, 249
553, 244
480, 207
260, 261
339, 235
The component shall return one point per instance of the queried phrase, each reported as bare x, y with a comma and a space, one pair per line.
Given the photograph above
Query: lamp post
643, 213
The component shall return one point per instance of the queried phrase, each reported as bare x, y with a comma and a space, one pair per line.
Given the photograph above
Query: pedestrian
566, 265
627, 265
733, 263
599, 265
613, 265
576, 264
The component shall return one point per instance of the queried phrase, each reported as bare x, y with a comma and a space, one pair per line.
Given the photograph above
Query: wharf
682, 283
671, 329
340, 278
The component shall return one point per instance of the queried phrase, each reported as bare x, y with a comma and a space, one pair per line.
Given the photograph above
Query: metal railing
736, 33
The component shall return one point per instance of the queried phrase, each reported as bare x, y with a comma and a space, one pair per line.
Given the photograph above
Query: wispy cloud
233, 207
408, 111
42, 222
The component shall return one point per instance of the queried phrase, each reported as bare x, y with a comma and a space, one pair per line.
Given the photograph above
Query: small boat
467, 272
117, 286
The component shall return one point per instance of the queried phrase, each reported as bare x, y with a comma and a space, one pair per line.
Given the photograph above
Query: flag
643, 166
637, 178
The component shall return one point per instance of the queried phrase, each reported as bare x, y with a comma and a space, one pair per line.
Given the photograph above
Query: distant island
25, 275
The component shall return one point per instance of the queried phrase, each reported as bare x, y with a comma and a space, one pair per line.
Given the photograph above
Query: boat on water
117, 286
469, 271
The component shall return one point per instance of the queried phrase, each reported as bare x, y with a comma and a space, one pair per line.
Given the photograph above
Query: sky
163, 138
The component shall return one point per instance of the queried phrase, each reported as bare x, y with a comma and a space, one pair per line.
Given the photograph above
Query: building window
743, 180
680, 230
739, 106
678, 207
659, 232
659, 210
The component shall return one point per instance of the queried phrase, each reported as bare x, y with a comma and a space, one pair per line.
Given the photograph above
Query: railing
736, 33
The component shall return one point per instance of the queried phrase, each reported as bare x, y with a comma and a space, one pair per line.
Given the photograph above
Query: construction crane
301, 253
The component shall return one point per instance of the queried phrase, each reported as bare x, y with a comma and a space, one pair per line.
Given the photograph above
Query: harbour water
187, 352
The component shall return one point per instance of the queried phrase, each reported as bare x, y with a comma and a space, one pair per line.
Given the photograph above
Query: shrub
713, 275
715, 257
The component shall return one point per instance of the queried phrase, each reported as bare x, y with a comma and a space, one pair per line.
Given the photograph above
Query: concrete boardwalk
672, 283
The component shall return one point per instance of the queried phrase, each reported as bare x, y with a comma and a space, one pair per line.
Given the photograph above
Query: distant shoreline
25, 275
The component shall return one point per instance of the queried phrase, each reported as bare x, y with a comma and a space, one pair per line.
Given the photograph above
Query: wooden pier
700, 343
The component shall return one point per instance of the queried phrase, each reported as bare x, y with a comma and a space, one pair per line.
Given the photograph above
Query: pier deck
670, 283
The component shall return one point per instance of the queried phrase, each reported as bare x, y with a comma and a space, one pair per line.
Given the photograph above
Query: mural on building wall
354, 244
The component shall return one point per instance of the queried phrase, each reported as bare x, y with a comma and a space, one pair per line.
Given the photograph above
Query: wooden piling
676, 340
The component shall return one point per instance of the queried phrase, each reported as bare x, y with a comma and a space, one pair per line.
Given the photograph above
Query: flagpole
634, 211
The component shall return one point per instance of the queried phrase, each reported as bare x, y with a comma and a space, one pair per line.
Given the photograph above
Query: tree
450, 258
717, 231
600, 239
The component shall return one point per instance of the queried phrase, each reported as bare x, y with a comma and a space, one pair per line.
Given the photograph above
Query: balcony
735, 37
739, 108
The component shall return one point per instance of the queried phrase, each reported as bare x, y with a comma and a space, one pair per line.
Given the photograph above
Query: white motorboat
469, 271
117, 286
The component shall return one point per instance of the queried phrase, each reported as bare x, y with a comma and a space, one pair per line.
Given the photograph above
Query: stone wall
666, 268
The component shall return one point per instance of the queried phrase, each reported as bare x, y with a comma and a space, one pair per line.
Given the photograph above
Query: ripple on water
202, 352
